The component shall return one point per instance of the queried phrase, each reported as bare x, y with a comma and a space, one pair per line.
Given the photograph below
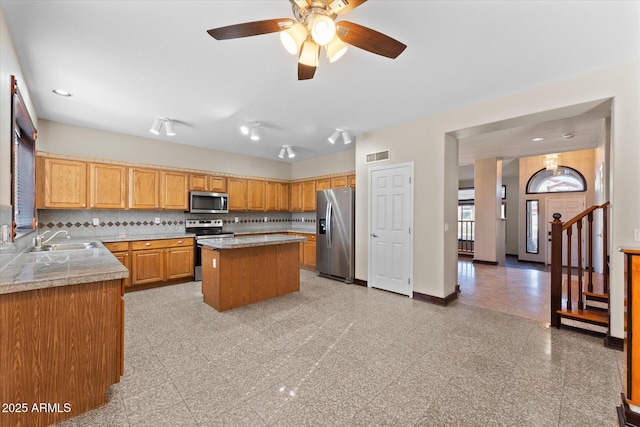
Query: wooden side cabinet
629, 412
179, 262
295, 201
107, 186
237, 194
174, 191
61, 183
308, 196
256, 195
144, 188
122, 252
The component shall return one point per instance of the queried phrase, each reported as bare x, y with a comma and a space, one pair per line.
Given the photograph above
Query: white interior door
568, 207
390, 230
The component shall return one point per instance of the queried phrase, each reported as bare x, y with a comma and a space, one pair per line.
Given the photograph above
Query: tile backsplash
79, 223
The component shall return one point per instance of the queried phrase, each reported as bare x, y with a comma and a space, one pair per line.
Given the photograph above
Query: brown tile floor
336, 354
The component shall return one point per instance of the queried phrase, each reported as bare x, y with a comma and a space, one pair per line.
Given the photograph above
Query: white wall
423, 141
9, 66
81, 141
340, 162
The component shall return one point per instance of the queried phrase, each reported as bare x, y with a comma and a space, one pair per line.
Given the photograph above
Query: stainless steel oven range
204, 229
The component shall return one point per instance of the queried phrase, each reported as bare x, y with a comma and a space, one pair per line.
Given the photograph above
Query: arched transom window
562, 180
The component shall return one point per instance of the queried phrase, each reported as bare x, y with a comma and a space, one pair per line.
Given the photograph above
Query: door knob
374, 235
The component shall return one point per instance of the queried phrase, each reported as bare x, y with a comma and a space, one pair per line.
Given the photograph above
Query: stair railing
557, 228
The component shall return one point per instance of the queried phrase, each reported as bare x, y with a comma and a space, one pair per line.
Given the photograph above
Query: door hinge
409, 230
409, 180
409, 281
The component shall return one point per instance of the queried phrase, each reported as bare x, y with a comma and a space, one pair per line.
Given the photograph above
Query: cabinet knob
179, 241
147, 244
164, 206
84, 205
126, 254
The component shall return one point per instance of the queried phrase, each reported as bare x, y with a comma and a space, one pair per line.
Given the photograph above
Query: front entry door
568, 207
391, 223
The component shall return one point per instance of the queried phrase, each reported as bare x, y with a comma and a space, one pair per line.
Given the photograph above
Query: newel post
556, 269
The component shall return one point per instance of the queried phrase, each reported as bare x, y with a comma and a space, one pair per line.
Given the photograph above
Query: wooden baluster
556, 269
605, 254
580, 297
590, 248
569, 233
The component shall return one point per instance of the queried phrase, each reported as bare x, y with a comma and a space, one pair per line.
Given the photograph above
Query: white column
489, 245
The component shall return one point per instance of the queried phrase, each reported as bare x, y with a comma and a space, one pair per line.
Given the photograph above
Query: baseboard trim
479, 261
360, 282
614, 342
626, 417
437, 300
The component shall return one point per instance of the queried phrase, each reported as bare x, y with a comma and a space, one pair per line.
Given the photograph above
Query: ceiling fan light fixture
293, 37
323, 29
282, 150
156, 126
290, 152
336, 49
346, 137
334, 137
309, 54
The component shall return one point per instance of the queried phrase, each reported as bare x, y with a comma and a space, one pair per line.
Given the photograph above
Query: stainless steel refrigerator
335, 230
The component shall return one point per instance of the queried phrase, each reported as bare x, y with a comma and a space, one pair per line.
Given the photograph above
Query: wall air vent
377, 157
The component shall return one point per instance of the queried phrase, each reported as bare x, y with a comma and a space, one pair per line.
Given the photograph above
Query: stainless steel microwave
204, 202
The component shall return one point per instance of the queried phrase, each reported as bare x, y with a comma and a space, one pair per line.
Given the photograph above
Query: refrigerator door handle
329, 221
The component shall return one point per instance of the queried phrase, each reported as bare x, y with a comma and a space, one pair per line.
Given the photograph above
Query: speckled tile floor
336, 354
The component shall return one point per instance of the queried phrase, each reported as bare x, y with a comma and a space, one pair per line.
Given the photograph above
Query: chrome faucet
40, 242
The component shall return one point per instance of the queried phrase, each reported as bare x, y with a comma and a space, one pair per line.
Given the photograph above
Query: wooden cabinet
323, 184
351, 181
218, 184
307, 255
308, 196
121, 251
156, 261
107, 186
237, 194
339, 182
256, 195
295, 201
61, 183
144, 188
272, 195
283, 197
198, 182
174, 190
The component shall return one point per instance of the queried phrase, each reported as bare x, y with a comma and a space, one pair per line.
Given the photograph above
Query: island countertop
250, 241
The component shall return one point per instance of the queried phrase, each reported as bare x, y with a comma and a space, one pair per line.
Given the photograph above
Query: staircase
579, 296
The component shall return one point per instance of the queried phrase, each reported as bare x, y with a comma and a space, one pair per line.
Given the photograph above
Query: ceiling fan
313, 27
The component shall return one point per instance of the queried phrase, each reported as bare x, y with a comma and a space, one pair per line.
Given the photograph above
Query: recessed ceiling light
537, 139
61, 92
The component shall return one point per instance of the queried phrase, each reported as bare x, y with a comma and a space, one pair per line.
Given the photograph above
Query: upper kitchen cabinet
144, 188
61, 183
309, 196
256, 195
271, 195
323, 184
237, 189
295, 201
198, 182
339, 182
283, 197
107, 186
351, 181
174, 190
218, 184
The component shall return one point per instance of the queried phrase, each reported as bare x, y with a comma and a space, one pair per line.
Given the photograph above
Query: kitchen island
61, 333
244, 270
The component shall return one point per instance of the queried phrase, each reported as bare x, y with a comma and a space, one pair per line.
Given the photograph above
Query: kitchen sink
66, 246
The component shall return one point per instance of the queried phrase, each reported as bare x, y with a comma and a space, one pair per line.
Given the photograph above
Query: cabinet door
351, 181
323, 184
125, 260
179, 262
107, 186
237, 194
148, 266
218, 184
339, 182
272, 194
309, 196
256, 195
283, 197
296, 197
198, 182
65, 184
309, 254
174, 188
144, 188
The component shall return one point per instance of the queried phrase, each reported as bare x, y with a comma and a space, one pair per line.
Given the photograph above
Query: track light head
346, 137
254, 133
168, 128
156, 126
282, 150
334, 137
290, 152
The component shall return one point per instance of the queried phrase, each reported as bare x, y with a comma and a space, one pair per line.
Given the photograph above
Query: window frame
544, 170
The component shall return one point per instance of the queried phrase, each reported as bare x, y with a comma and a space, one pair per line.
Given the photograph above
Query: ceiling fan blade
305, 72
248, 29
369, 40
350, 6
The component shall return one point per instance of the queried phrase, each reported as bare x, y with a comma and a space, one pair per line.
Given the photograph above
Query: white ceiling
127, 62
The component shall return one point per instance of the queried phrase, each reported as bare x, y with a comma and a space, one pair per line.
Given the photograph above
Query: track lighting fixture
346, 138
251, 130
282, 150
254, 133
288, 150
156, 127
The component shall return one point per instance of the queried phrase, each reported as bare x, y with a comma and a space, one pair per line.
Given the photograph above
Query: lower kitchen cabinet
155, 261
307, 254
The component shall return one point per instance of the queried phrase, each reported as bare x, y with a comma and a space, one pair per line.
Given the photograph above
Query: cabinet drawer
165, 243
117, 246
310, 237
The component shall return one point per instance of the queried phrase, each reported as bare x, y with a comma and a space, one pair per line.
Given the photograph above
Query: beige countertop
249, 241
38, 270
